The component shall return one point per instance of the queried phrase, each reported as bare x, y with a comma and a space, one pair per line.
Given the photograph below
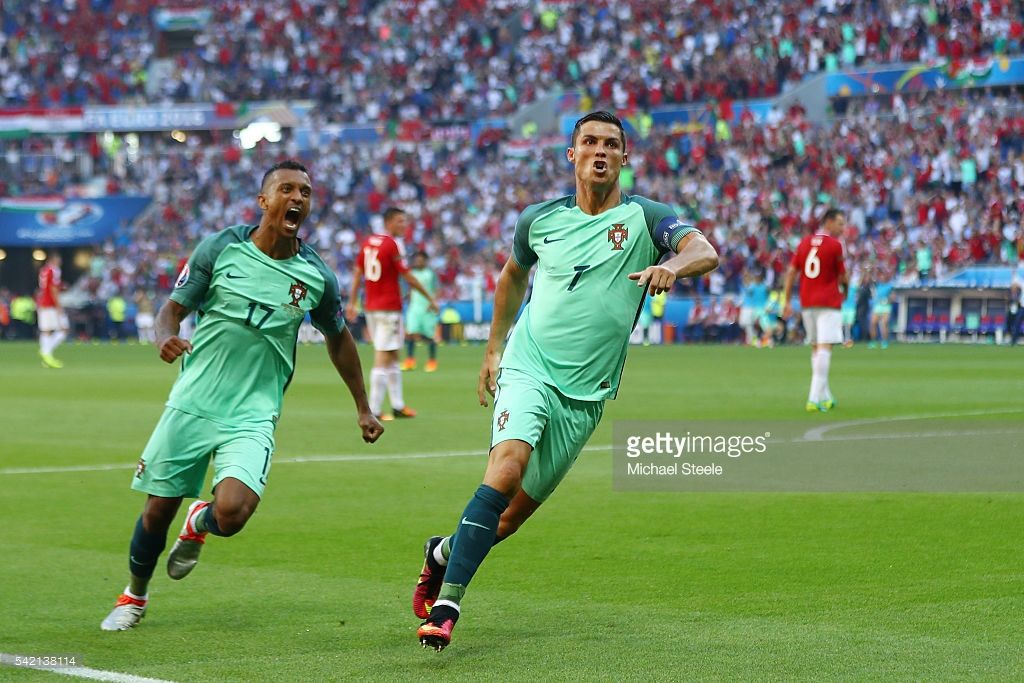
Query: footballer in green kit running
252, 286
598, 253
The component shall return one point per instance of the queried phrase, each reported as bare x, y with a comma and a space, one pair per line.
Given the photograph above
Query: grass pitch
600, 585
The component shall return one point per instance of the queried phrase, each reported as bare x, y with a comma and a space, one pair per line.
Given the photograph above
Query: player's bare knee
505, 473
231, 520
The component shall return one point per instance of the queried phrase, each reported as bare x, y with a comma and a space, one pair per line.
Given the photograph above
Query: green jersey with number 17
574, 332
249, 308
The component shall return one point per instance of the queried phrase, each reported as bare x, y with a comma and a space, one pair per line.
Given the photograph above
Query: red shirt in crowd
819, 260
381, 263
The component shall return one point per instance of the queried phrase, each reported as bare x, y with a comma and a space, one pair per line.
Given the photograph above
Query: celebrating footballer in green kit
597, 254
252, 286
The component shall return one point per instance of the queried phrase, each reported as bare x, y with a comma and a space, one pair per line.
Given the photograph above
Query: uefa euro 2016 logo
617, 234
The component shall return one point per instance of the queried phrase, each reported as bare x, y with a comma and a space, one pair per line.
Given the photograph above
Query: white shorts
51, 320
144, 320
823, 325
385, 330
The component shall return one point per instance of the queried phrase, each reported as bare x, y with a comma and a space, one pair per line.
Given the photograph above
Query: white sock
438, 555
395, 387
128, 592
44, 343
824, 359
815, 395
378, 384
56, 338
447, 603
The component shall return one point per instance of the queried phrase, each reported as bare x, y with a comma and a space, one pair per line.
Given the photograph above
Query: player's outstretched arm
168, 325
694, 257
508, 297
418, 286
341, 348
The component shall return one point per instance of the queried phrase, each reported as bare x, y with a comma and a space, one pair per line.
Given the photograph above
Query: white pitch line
818, 433
344, 457
81, 672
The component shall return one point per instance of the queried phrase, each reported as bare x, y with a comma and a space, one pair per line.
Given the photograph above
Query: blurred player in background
420, 321
596, 253
252, 285
53, 322
823, 282
881, 311
144, 318
755, 298
380, 263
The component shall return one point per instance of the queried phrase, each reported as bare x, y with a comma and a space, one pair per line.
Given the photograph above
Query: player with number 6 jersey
823, 281
381, 264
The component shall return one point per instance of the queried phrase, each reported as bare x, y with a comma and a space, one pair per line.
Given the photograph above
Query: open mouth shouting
600, 165
292, 218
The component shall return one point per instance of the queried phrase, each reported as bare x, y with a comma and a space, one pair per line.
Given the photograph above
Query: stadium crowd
374, 60
931, 183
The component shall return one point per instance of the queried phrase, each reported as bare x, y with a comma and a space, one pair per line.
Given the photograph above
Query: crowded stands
931, 181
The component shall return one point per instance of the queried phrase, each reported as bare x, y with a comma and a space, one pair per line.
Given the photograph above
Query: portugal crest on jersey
617, 234
502, 420
298, 292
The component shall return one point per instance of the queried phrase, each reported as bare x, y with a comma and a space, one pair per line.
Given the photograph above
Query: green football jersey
574, 332
249, 308
427, 278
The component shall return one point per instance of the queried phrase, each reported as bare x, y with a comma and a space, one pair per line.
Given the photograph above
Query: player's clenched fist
372, 429
172, 347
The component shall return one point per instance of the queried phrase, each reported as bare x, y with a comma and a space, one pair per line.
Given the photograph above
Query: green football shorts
556, 426
421, 322
175, 460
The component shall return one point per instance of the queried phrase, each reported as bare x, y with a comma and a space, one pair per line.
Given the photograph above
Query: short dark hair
832, 213
603, 117
391, 212
286, 165
420, 253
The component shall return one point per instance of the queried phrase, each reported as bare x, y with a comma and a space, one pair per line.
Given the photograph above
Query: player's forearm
357, 281
787, 288
415, 283
168, 320
345, 356
697, 257
508, 297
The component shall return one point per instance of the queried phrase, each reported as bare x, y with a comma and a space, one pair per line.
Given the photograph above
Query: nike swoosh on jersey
548, 240
466, 521
233, 277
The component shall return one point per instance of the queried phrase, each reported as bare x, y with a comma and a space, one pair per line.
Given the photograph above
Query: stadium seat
916, 324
